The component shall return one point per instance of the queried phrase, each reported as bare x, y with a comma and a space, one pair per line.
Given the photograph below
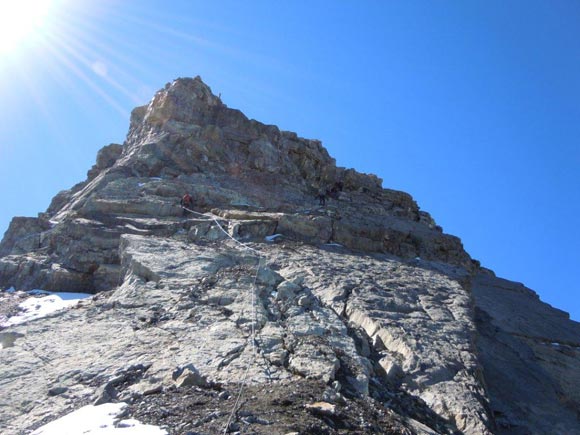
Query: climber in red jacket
186, 203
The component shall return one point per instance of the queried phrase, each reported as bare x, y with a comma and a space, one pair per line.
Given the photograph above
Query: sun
21, 20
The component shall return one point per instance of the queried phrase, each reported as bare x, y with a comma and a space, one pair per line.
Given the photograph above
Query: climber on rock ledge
332, 192
186, 203
322, 197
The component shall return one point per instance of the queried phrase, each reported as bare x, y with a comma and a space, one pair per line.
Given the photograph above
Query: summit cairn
262, 310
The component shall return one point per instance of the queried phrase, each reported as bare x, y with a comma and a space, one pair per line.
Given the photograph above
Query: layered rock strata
363, 311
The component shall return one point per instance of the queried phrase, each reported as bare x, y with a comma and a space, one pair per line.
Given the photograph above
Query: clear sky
472, 107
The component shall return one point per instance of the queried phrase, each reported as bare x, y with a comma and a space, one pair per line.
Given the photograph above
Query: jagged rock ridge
364, 303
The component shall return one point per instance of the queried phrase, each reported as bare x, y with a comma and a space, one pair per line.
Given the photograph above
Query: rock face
530, 353
360, 316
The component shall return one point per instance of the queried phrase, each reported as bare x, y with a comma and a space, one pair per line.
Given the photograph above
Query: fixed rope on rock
212, 217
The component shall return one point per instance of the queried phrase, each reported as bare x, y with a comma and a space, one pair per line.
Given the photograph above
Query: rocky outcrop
186, 139
530, 353
23, 235
179, 300
359, 316
106, 157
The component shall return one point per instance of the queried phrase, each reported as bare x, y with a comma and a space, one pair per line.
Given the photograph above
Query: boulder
190, 377
106, 157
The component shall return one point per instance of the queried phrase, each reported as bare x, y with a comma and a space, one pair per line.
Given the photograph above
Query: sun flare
21, 20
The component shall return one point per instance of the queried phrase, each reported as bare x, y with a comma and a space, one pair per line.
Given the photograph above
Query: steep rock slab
417, 317
181, 306
530, 354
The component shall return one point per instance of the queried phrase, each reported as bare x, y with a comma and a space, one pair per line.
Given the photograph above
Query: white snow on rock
37, 307
98, 420
272, 237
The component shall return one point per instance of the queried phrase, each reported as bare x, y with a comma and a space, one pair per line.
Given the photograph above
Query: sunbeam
21, 20
101, 45
80, 74
96, 65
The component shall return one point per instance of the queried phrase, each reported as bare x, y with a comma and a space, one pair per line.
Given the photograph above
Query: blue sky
471, 107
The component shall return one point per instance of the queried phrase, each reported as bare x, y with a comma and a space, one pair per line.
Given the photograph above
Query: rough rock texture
530, 353
361, 316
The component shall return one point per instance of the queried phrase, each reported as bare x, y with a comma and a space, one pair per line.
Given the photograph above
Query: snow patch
65, 296
134, 228
272, 238
98, 420
150, 179
38, 307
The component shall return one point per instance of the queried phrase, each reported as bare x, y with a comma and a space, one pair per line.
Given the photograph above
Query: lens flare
21, 20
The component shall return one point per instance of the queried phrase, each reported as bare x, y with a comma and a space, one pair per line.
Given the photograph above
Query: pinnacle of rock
333, 302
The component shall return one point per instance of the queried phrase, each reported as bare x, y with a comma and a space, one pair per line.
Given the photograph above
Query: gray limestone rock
530, 354
23, 235
106, 157
365, 300
190, 377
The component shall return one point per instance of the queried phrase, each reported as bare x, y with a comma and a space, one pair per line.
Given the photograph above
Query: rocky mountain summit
261, 311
